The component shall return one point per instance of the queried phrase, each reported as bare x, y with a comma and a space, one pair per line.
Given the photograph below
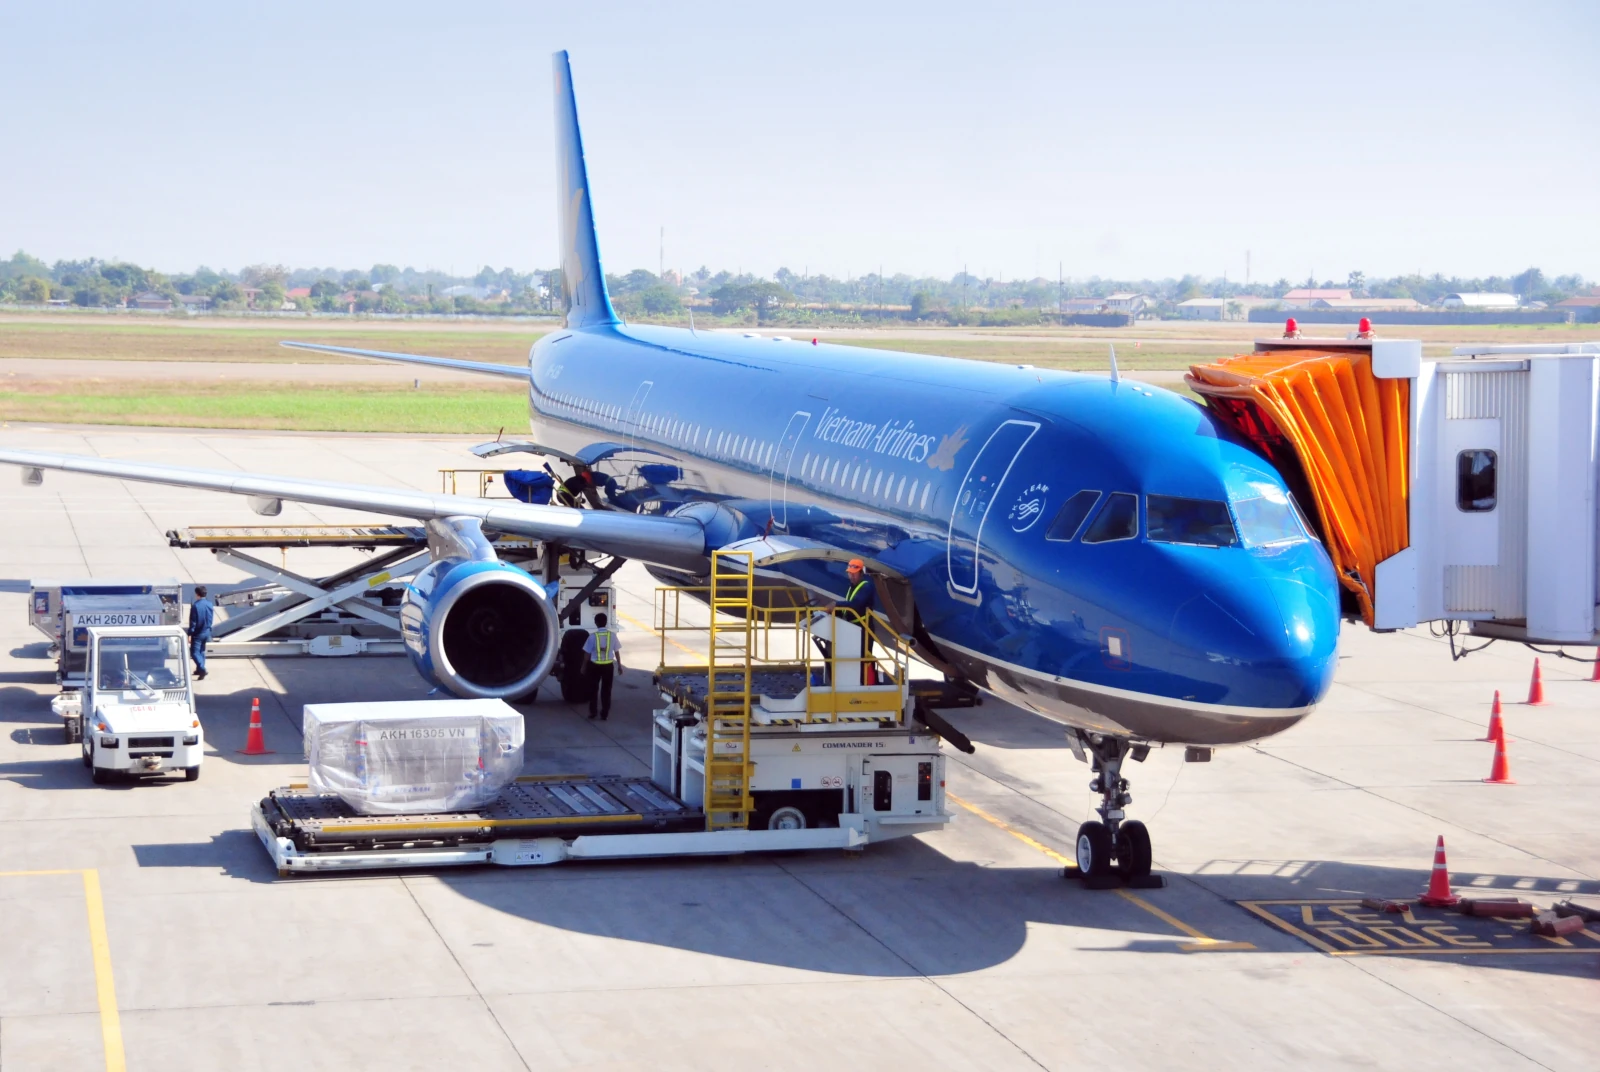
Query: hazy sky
1122, 139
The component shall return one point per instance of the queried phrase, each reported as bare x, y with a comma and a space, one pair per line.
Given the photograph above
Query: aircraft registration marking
1343, 928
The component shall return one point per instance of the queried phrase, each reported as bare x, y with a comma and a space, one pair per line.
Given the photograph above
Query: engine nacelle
481, 629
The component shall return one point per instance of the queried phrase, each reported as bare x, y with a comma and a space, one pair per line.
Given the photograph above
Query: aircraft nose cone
1270, 644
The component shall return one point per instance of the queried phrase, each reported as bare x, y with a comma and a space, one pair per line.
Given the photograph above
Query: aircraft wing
487, 368
675, 542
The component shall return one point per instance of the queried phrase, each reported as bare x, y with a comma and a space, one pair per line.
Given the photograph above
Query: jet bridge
1453, 489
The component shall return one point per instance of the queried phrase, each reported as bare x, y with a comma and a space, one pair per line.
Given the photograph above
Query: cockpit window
1204, 522
1118, 519
1070, 519
1268, 519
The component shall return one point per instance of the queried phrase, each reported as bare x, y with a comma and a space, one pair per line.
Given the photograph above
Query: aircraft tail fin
587, 303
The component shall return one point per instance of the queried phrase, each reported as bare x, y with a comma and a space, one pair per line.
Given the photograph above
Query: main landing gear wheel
1094, 850
1133, 851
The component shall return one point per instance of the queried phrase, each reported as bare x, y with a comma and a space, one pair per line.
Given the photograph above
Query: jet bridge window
1070, 519
1203, 522
1475, 480
1118, 519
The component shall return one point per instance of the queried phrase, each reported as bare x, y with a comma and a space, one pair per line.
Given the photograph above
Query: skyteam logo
1029, 507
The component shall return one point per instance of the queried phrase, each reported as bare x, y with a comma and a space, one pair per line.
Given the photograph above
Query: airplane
1101, 552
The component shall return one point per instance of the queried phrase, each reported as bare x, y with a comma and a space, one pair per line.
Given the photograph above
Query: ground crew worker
201, 615
572, 490
861, 596
859, 599
604, 660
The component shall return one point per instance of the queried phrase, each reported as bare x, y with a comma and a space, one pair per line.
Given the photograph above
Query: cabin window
1117, 520
719, 442
927, 489
1071, 516
877, 483
900, 491
1475, 480
1202, 522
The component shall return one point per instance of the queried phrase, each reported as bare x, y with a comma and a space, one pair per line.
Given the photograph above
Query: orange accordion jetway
1338, 432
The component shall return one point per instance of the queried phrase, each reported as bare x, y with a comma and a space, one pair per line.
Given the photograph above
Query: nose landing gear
1114, 850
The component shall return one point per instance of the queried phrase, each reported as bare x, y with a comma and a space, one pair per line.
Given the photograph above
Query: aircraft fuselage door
636, 412
778, 487
976, 497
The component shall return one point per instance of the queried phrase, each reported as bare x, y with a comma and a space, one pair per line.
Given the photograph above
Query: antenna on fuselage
692, 331
1114, 377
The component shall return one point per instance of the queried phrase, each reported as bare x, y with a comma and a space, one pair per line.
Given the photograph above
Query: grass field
172, 399
287, 407
77, 338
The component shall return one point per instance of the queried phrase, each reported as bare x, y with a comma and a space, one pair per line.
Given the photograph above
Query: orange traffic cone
1596, 675
1500, 773
1497, 726
1438, 894
1536, 687
255, 742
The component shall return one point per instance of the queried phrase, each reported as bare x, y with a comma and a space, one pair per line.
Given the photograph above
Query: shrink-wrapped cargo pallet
413, 757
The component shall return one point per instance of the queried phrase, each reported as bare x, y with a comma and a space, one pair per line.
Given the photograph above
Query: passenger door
976, 497
778, 486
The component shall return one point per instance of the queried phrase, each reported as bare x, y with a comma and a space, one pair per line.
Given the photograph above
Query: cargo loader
789, 729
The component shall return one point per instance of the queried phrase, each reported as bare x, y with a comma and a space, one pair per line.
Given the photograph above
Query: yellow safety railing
449, 479
781, 634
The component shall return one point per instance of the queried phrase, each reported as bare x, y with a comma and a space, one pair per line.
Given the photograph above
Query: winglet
1114, 377
587, 303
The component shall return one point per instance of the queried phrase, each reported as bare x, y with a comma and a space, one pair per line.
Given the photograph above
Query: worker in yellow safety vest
857, 608
604, 660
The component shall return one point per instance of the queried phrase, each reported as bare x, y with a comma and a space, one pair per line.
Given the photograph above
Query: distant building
193, 302
1303, 297
1367, 305
298, 292
1132, 304
1205, 309
151, 300
1480, 301
1589, 300
1082, 305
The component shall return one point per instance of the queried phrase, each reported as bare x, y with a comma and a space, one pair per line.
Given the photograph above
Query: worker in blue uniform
604, 660
201, 616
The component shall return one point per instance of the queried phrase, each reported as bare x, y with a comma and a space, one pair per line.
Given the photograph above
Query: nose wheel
1114, 849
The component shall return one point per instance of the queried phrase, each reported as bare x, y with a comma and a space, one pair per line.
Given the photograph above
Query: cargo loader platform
306, 830
767, 746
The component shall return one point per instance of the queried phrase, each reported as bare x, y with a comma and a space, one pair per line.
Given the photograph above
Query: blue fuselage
1105, 553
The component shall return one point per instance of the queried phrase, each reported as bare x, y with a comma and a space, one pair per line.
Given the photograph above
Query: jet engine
479, 627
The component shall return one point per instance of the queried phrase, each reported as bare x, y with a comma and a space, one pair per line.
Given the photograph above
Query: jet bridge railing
784, 636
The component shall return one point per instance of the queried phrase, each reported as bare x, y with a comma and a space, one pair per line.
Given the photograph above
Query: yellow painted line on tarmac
105, 987
636, 623
1200, 944
100, 947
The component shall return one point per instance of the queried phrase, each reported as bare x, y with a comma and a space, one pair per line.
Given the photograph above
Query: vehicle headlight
193, 738
110, 742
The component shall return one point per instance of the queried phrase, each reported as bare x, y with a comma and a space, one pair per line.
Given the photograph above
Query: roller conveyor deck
565, 805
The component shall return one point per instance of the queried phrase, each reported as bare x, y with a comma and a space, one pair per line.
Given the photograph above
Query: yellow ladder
728, 767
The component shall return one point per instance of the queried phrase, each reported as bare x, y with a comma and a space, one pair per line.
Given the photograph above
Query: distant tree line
738, 297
